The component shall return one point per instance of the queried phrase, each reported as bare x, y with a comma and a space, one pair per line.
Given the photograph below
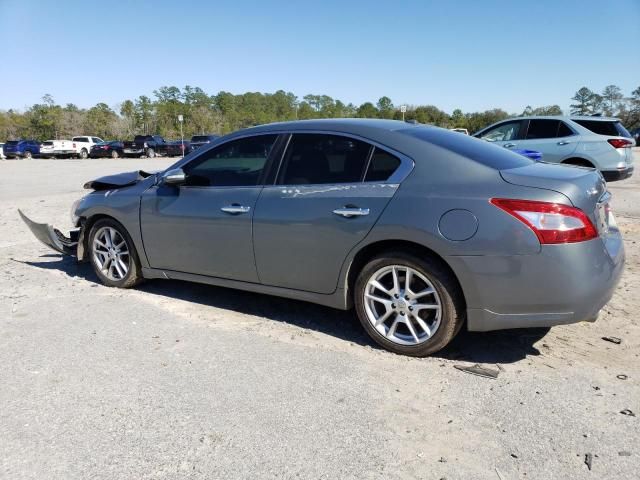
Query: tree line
225, 112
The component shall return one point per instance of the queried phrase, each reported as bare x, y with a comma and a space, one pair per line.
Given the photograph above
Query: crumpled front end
55, 239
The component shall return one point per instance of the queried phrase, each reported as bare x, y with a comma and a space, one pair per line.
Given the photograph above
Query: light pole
180, 119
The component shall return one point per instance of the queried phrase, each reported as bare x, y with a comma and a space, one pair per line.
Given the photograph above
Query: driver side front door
204, 226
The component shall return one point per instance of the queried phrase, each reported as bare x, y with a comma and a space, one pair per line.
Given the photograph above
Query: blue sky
472, 55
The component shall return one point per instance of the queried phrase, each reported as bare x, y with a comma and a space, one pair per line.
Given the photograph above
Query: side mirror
174, 177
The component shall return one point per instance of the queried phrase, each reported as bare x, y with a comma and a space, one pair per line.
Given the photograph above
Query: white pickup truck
76, 147
83, 145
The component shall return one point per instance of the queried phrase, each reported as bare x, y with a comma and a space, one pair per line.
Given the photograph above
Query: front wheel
27, 155
409, 305
113, 255
115, 154
151, 153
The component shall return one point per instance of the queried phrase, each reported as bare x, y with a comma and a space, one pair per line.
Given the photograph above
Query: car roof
357, 126
566, 117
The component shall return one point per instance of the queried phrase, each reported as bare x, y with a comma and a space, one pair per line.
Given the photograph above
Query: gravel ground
178, 380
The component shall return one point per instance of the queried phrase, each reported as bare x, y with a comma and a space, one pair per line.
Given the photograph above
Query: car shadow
507, 346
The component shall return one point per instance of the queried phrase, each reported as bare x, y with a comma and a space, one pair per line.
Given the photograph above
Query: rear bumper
57, 153
562, 284
133, 151
619, 174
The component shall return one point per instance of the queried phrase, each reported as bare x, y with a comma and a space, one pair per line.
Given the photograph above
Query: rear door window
238, 163
612, 129
382, 166
542, 129
564, 130
320, 159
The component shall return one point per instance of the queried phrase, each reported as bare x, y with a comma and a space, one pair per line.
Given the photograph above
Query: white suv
597, 142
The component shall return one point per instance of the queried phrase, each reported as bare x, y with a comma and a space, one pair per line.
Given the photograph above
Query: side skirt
335, 300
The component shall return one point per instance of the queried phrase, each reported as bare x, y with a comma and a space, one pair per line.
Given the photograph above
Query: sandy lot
177, 380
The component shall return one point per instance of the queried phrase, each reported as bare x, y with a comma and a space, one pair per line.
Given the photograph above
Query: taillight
620, 143
74, 145
551, 222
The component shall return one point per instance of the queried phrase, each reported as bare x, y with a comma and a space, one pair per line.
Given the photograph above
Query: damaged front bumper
55, 239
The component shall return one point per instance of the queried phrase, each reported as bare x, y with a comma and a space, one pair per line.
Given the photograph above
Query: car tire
151, 153
27, 155
84, 154
115, 154
107, 242
410, 337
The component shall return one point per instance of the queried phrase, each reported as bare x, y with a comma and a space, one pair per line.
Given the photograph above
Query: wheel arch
580, 161
367, 252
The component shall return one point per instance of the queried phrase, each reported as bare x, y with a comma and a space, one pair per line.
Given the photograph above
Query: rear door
322, 204
553, 138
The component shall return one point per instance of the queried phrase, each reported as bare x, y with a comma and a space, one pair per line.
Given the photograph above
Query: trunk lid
584, 187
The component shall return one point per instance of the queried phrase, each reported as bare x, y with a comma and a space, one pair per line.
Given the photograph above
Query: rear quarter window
612, 129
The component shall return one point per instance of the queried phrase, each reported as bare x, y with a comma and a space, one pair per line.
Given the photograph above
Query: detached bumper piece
52, 237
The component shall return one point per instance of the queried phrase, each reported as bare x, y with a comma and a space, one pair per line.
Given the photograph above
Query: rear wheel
115, 154
151, 153
580, 162
113, 255
408, 305
84, 154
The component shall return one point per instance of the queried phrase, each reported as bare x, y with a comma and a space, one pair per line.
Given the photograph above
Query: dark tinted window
12, 143
318, 158
542, 129
503, 132
47, 143
96, 140
238, 163
564, 130
382, 166
613, 129
80, 139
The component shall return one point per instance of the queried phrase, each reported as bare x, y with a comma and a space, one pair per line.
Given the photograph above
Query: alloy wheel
111, 253
402, 305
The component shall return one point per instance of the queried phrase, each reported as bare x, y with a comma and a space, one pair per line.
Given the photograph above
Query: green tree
367, 110
101, 121
584, 102
385, 107
611, 97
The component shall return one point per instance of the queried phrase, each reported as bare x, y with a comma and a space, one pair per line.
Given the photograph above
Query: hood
119, 180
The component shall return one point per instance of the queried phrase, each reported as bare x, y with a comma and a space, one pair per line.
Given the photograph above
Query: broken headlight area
54, 238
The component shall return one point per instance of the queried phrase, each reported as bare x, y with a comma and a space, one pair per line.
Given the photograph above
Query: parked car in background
57, 149
199, 140
597, 142
635, 133
460, 130
178, 148
83, 144
112, 149
21, 149
145, 145
422, 230
2, 157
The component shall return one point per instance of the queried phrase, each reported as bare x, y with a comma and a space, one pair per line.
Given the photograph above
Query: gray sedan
422, 230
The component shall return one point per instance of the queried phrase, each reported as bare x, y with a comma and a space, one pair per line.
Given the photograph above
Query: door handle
349, 212
235, 209
509, 145
563, 142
